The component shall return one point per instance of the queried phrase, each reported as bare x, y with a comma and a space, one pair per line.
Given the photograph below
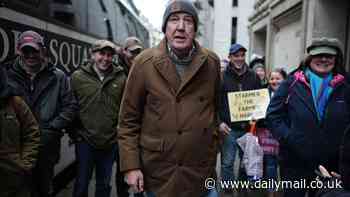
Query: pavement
67, 192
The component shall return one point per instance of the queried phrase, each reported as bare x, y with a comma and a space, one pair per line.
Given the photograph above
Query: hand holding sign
224, 128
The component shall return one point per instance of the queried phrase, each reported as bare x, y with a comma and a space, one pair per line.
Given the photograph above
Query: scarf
181, 63
321, 90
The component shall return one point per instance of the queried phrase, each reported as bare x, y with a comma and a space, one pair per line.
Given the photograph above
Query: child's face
275, 80
260, 72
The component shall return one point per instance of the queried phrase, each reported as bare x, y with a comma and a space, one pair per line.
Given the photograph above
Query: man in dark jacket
19, 142
236, 77
47, 91
98, 87
131, 48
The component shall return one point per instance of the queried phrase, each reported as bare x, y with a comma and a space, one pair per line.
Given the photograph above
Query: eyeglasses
134, 52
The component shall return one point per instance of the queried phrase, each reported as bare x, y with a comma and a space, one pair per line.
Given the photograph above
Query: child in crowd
268, 143
259, 69
275, 79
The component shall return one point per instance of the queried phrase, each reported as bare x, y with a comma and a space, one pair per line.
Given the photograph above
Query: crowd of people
163, 114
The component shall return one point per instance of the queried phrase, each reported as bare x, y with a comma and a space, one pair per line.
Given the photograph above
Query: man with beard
236, 77
47, 91
168, 114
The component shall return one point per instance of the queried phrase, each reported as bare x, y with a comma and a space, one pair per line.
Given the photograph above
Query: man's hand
325, 173
134, 178
223, 128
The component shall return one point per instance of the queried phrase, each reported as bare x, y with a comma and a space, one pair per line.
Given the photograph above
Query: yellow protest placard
248, 105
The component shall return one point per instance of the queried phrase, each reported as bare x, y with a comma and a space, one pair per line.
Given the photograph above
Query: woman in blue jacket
308, 115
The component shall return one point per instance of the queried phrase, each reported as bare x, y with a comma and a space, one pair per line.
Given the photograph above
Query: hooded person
302, 113
167, 128
47, 91
19, 142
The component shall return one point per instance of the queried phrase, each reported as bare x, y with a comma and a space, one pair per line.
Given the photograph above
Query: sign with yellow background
248, 105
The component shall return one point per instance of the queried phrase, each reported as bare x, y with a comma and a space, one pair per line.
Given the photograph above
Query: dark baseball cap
236, 47
30, 38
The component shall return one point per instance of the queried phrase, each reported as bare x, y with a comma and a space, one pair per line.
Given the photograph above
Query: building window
211, 3
234, 30
198, 5
102, 4
64, 17
123, 10
34, 3
63, 1
234, 3
109, 29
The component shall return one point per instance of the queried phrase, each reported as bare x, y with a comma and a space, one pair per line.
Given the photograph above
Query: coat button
205, 130
201, 99
179, 132
178, 100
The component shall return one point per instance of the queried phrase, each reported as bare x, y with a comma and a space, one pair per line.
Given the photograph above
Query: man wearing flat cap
47, 91
168, 122
98, 87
